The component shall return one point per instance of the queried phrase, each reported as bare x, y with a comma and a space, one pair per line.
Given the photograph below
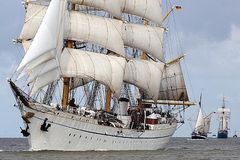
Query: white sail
26, 45
108, 5
144, 74
33, 19
207, 122
106, 32
108, 70
49, 38
223, 110
44, 80
173, 84
146, 38
224, 114
78, 26
199, 127
149, 9
109, 33
42, 69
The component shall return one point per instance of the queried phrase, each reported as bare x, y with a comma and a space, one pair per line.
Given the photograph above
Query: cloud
214, 58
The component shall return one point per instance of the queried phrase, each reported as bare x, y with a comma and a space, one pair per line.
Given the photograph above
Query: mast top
223, 105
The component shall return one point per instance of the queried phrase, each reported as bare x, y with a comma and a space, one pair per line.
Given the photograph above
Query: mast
116, 36
108, 100
223, 117
144, 56
66, 83
66, 80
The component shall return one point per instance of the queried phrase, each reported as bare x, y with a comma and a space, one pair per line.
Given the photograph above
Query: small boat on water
202, 125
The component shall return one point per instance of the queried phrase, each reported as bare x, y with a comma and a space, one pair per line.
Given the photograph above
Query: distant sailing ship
202, 126
76, 52
224, 116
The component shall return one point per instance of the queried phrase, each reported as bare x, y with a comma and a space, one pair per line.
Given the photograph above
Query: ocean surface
177, 149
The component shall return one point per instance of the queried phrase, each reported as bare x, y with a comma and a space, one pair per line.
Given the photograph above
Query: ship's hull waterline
198, 136
222, 134
69, 132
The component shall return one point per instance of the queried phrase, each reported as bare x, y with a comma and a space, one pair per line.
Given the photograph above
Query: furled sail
146, 38
144, 74
173, 84
108, 70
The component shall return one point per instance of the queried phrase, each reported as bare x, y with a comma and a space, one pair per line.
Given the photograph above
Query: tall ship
94, 76
203, 122
224, 116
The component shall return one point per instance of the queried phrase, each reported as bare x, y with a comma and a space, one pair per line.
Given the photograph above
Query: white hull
69, 132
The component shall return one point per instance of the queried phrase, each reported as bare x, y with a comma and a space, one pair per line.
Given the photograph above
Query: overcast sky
209, 32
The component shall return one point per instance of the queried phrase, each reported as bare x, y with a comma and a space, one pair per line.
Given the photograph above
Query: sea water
177, 149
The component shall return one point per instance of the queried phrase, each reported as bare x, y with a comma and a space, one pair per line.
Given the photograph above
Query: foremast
66, 82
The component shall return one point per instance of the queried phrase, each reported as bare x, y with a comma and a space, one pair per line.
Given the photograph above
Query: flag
200, 101
178, 7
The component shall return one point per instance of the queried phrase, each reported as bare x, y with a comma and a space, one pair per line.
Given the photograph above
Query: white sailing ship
80, 50
224, 116
202, 126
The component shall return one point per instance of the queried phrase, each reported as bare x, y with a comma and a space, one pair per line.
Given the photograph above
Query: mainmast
66, 80
66, 83
223, 117
144, 56
108, 100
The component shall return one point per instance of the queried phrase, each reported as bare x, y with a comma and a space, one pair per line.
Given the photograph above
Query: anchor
44, 127
25, 132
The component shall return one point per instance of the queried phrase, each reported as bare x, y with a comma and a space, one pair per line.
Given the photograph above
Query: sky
209, 33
